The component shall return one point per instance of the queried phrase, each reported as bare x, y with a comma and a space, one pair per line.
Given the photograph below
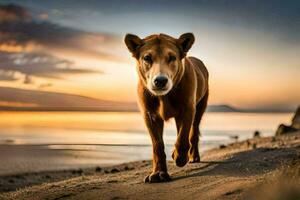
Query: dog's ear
185, 42
133, 43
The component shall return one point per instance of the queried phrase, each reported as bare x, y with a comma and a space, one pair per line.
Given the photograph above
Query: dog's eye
172, 58
147, 58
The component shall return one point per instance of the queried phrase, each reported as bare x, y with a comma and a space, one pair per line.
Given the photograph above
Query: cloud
28, 80
7, 75
13, 12
37, 64
29, 47
18, 29
43, 16
45, 85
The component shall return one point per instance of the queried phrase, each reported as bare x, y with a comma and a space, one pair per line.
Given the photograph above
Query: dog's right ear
133, 43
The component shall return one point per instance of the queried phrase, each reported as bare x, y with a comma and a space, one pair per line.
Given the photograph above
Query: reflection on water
122, 136
123, 128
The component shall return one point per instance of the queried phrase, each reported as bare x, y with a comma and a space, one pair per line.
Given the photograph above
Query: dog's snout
160, 81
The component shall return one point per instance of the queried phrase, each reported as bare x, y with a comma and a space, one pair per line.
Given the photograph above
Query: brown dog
170, 85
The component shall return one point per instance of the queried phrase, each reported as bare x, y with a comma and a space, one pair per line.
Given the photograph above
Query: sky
251, 47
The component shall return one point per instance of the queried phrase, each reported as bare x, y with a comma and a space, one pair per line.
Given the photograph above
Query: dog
171, 85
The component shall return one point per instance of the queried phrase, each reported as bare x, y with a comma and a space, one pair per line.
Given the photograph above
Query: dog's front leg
183, 122
155, 127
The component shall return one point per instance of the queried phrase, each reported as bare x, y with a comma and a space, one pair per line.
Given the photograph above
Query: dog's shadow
242, 164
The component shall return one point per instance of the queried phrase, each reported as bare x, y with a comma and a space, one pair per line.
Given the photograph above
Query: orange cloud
16, 104
17, 48
13, 12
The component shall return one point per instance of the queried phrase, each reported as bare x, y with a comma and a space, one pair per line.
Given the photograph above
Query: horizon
249, 48
97, 105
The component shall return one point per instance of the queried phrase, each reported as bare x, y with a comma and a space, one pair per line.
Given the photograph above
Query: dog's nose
160, 81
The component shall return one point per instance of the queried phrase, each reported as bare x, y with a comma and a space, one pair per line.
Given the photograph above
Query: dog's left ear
133, 43
186, 41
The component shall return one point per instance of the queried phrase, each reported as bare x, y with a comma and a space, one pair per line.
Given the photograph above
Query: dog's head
159, 59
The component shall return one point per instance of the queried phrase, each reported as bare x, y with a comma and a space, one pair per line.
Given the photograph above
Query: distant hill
221, 108
228, 108
42, 100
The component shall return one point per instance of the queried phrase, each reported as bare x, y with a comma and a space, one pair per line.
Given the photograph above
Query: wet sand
19, 159
235, 171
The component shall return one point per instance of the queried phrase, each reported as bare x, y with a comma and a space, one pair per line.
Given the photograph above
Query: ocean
104, 138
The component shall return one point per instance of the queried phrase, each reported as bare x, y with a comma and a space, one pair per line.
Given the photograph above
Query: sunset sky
251, 48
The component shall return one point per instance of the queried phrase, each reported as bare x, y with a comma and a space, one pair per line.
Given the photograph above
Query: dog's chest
167, 108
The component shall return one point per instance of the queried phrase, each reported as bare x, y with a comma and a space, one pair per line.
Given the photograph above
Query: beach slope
237, 171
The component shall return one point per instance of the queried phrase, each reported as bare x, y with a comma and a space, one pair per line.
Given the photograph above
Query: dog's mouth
159, 91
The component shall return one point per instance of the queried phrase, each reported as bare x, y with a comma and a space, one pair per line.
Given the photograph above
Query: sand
20, 159
236, 171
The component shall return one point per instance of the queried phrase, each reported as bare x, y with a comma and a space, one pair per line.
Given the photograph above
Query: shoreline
241, 165
137, 111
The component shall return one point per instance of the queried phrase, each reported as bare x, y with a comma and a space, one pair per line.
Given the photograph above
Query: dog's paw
157, 177
180, 158
195, 159
194, 156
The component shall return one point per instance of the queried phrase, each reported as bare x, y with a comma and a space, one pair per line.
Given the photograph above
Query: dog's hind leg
194, 155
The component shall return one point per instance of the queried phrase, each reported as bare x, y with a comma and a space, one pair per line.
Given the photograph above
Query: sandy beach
235, 171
